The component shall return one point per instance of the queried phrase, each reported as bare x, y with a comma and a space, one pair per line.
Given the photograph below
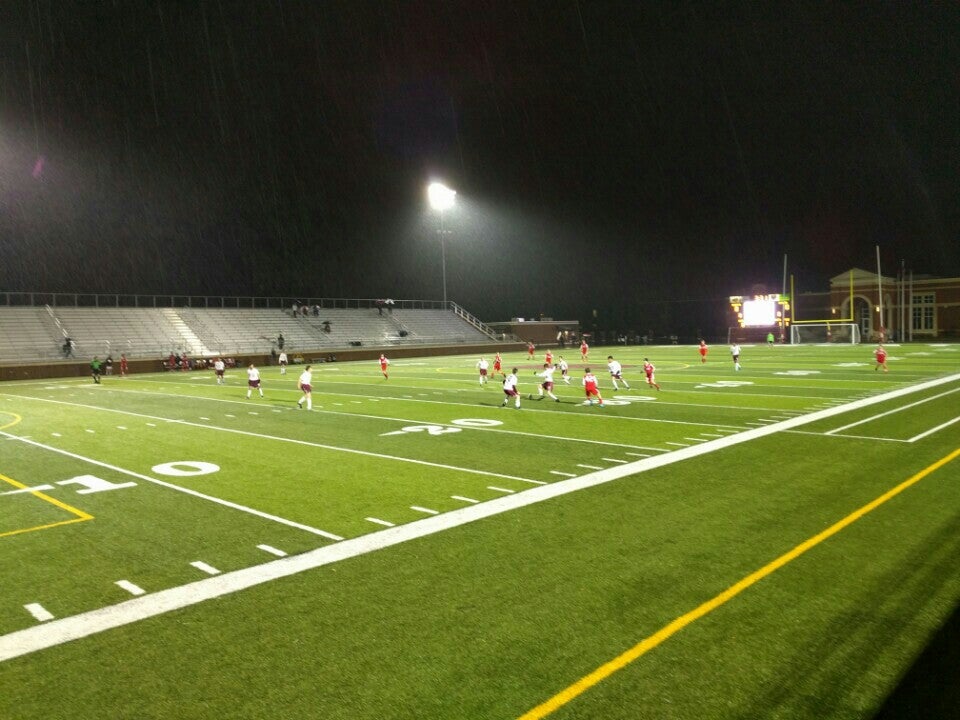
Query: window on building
924, 307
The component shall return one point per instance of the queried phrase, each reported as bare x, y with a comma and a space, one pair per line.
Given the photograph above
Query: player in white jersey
305, 386
218, 369
510, 389
482, 367
616, 373
735, 355
547, 384
564, 370
283, 363
253, 380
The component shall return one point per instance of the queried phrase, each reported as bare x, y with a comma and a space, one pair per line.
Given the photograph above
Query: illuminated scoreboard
761, 310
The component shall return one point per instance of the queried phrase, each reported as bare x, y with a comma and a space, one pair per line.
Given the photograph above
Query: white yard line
294, 441
849, 437
411, 421
500, 489
615, 460
589, 467
931, 431
891, 412
465, 499
563, 474
178, 488
57, 632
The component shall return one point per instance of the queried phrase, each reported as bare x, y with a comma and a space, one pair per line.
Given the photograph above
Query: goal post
834, 332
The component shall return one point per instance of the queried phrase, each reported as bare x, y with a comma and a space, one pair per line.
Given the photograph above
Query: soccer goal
804, 333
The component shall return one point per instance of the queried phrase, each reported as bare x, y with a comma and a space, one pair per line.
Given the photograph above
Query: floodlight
441, 197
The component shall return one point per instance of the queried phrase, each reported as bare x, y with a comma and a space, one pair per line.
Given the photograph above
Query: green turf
492, 618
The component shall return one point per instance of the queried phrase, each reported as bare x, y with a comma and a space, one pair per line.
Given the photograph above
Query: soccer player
548, 357
769, 339
547, 384
383, 366
283, 362
498, 366
616, 373
482, 369
649, 370
590, 387
510, 389
95, 370
253, 380
530, 348
218, 368
304, 385
584, 350
735, 354
703, 351
564, 370
123, 365
881, 355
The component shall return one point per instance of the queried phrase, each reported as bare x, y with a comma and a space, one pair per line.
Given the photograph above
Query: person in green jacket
95, 370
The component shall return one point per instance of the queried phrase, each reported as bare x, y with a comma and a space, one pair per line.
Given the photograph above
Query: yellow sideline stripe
80, 514
668, 631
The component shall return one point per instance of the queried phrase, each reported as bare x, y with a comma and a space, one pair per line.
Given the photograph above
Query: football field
778, 541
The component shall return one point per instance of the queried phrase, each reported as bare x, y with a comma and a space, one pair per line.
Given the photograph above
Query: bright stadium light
441, 199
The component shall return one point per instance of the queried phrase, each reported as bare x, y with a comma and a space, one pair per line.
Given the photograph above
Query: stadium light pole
441, 199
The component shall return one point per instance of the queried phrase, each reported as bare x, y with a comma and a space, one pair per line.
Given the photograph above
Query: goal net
804, 333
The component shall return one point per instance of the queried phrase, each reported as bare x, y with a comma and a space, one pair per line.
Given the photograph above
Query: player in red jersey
498, 366
881, 354
548, 357
383, 366
584, 350
123, 365
590, 387
703, 351
648, 370
530, 348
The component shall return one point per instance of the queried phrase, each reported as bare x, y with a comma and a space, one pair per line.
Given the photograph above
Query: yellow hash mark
671, 629
80, 514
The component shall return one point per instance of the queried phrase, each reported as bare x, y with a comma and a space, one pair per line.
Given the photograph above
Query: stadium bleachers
28, 334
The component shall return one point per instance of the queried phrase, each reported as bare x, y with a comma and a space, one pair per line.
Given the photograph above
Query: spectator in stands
280, 341
326, 326
67, 347
379, 304
172, 362
316, 310
304, 310
389, 303
295, 308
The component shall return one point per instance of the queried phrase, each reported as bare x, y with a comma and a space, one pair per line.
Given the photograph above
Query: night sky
624, 157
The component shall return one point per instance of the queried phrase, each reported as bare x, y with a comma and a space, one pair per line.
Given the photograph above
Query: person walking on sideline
304, 385
123, 365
